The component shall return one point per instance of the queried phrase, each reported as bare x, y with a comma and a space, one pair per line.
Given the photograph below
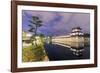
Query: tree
35, 24
36, 51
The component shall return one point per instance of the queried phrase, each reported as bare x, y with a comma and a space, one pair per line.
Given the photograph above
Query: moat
58, 52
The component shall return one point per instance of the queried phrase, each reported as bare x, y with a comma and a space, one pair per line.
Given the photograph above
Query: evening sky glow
57, 23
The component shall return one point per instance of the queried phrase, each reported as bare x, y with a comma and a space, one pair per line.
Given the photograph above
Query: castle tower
77, 31
77, 37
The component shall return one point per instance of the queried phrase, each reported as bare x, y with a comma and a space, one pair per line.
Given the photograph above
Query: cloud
44, 16
59, 23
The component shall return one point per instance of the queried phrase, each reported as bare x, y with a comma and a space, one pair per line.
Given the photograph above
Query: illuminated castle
75, 40
74, 37
76, 32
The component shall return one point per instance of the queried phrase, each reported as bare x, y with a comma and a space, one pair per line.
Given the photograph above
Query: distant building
26, 38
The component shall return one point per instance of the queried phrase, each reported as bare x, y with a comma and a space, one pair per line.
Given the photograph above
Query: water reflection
59, 52
76, 43
78, 47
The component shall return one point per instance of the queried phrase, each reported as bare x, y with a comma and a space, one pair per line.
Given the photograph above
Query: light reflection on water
78, 47
77, 44
59, 52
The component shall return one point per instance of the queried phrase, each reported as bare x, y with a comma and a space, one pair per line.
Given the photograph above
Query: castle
75, 41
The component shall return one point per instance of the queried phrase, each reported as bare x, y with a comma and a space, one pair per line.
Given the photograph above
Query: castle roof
77, 28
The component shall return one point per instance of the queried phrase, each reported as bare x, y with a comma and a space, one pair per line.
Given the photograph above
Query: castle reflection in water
76, 40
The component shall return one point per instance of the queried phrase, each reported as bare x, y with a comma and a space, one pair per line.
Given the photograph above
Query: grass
33, 53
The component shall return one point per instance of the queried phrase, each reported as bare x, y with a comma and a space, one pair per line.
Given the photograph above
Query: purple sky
57, 23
